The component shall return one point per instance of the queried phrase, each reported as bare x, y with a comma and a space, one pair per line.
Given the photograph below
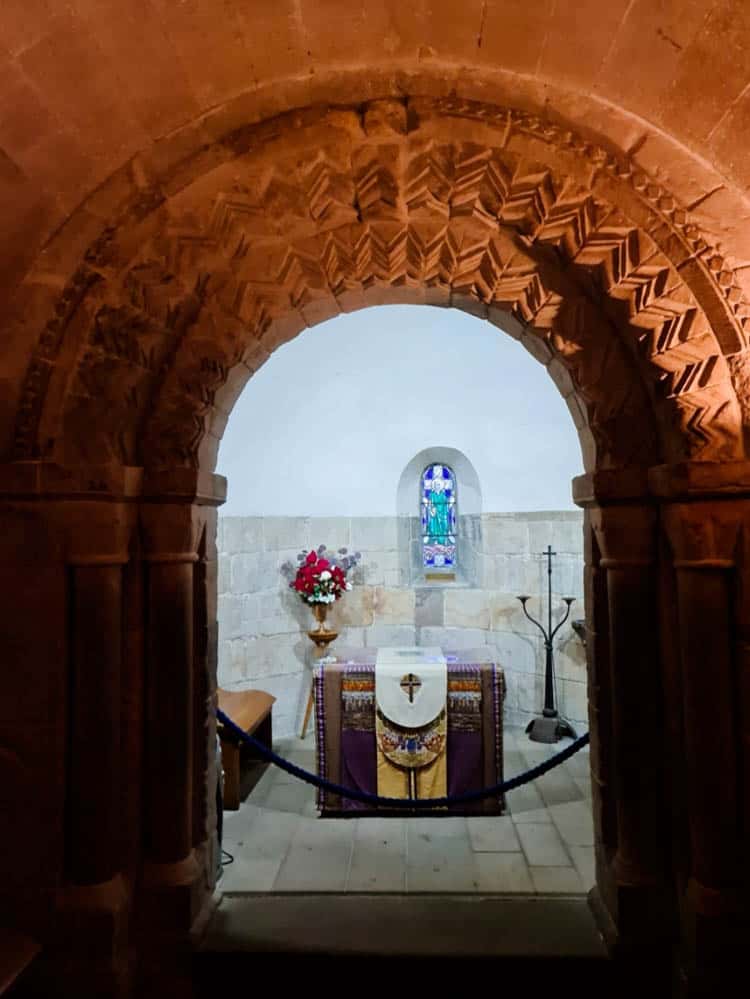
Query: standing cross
410, 683
548, 554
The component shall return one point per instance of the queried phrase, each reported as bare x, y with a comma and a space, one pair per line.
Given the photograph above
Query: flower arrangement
320, 577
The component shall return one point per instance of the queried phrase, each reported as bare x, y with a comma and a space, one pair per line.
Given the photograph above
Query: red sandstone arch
680, 158
182, 192
327, 209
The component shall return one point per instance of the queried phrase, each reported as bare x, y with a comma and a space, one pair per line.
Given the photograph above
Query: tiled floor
544, 844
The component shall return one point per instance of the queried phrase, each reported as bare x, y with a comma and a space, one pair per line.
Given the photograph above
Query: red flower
307, 580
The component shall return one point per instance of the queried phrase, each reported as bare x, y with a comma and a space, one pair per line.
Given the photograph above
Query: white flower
325, 574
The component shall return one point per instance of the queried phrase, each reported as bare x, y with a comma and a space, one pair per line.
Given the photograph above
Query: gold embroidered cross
410, 683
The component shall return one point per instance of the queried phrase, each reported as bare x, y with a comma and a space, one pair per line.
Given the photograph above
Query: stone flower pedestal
322, 638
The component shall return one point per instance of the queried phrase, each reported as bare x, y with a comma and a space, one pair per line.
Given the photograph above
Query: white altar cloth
428, 700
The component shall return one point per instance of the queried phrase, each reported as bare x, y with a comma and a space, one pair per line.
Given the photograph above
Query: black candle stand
549, 726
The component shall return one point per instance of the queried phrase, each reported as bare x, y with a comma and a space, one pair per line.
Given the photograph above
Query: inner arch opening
327, 425
315, 453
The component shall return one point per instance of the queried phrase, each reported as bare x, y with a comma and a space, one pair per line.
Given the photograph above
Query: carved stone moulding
49, 481
680, 481
440, 200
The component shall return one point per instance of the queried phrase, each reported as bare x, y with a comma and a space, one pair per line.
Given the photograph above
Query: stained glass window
439, 518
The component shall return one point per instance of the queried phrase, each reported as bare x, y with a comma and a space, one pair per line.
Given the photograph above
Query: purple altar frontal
345, 724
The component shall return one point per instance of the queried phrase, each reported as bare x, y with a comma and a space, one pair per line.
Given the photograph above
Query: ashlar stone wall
262, 624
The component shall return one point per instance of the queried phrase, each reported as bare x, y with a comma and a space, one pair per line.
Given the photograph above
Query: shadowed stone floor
543, 845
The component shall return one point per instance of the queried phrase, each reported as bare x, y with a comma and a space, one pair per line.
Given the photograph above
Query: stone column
706, 521
95, 765
704, 537
176, 519
205, 838
33, 707
94, 903
115, 883
627, 538
599, 675
170, 539
674, 722
742, 667
169, 705
626, 708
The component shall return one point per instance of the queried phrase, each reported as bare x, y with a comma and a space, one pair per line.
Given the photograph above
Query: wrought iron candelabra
549, 726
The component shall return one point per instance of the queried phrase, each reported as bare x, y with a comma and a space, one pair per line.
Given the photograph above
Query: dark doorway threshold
523, 941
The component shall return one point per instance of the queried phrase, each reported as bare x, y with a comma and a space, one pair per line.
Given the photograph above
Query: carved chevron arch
333, 209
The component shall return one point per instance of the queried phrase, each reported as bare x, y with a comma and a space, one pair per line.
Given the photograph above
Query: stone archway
205, 264
447, 201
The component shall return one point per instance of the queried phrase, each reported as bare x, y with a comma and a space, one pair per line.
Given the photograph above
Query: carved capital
170, 532
700, 480
184, 485
611, 485
98, 533
48, 480
704, 534
625, 534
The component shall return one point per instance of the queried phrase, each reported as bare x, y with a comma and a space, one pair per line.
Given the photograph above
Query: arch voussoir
406, 200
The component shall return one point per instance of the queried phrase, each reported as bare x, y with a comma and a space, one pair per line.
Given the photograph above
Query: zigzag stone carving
458, 202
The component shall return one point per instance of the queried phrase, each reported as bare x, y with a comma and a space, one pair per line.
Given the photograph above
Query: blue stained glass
438, 518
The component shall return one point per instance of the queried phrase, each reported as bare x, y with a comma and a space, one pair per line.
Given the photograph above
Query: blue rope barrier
408, 803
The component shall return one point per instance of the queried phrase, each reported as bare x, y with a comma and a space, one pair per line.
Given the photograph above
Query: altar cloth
411, 692
417, 707
345, 718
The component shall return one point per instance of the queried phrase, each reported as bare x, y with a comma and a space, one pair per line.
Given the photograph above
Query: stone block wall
262, 624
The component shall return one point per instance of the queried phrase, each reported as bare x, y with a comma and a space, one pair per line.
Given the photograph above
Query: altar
459, 749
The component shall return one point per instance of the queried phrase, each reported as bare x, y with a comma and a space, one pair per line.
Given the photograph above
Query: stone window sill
459, 583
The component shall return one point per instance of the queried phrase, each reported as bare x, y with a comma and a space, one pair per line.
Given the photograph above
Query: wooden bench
251, 710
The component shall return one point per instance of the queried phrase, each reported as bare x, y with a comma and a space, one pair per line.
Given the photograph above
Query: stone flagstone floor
544, 844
